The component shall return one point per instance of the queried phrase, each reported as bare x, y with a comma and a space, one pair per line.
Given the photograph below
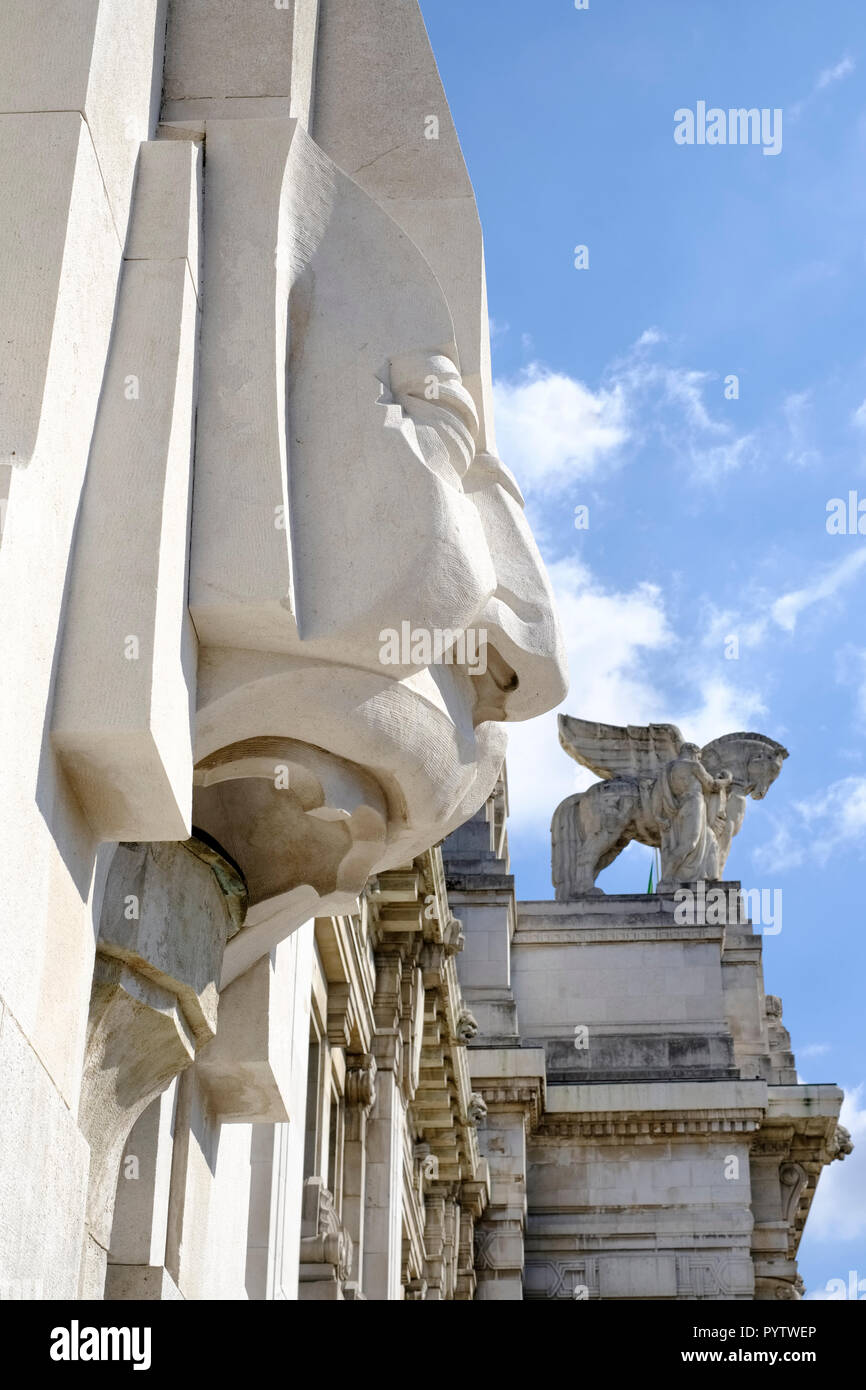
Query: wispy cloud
831, 822
668, 405
554, 429
611, 638
608, 635
787, 609
720, 624
827, 77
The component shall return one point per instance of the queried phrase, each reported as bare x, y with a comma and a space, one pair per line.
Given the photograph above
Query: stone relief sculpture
276, 340
842, 1144
246, 430
345, 483
689, 802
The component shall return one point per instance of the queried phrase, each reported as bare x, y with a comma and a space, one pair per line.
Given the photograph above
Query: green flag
649, 886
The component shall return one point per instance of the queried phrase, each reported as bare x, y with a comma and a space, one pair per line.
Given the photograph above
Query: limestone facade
324, 1144
646, 1135
245, 434
247, 1049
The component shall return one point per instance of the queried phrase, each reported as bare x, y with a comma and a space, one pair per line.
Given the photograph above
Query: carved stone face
340, 501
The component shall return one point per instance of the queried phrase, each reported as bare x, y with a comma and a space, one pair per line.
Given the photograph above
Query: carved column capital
361, 1083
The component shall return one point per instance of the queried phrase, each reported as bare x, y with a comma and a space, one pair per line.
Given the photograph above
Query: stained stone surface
645, 1132
272, 1024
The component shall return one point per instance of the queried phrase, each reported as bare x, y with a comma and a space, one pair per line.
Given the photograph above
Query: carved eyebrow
486, 469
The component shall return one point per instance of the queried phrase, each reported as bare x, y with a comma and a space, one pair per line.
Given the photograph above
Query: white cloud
713, 464
721, 708
787, 609
814, 1050
609, 636
796, 410
552, 429
815, 830
650, 337
669, 404
843, 807
839, 1207
828, 76
724, 623
859, 416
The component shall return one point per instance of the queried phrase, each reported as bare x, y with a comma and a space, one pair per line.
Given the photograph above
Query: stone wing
611, 751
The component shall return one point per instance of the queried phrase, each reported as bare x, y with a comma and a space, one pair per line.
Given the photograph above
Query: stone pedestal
643, 1136
662, 1075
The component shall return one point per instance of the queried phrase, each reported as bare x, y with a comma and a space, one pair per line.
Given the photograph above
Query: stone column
512, 1084
136, 1258
383, 1221
499, 1236
262, 1165
383, 1233
360, 1099
437, 1204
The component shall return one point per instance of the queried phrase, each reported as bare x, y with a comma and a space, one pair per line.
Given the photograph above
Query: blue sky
707, 515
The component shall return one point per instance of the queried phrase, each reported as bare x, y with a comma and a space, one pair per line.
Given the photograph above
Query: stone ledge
683, 1097
804, 1102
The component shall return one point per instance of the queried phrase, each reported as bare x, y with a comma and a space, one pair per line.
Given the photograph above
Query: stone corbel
361, 1085
793, 1178
427, 1164
305, 827
165, 919
341, 1011
388, 1009
326, 1246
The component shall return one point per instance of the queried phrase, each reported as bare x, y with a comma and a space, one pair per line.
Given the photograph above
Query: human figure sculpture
342, 482
692, 809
